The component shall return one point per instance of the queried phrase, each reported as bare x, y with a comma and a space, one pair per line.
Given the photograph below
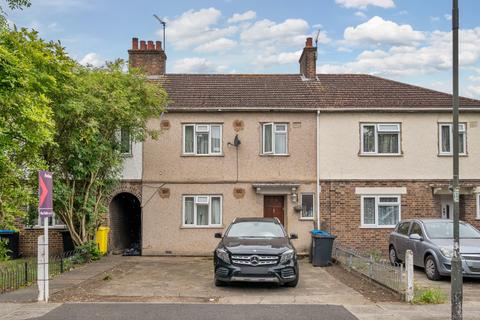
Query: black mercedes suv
256, 250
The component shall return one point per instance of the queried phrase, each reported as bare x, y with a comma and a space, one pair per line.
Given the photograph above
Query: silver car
431, 241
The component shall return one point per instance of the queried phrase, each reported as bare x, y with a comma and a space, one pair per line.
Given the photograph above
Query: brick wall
29, 239
341, 212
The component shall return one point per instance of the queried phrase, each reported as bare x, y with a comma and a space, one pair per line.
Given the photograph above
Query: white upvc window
202, 211
380, 138
308, 207
202, 139
380, 211
445, 138
275, 138
53, 222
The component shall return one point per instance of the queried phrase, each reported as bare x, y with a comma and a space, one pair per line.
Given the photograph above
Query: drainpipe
318, 170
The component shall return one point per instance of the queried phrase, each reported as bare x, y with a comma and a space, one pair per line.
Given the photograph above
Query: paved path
63, 281
147, 311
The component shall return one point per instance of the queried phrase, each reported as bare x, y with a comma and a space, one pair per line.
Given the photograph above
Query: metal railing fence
381, 271
15, 274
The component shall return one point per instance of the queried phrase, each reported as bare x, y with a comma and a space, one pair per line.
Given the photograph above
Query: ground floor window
380, 211
202, 210
307, 206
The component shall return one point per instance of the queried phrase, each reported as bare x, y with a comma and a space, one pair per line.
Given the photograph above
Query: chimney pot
150, 45
134, 43
309, 42
143, 45
158, 45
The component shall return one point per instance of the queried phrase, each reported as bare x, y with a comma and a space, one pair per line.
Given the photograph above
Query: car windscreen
444, 230
255, 229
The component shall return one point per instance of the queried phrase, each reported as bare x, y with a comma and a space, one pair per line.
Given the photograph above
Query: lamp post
456, 276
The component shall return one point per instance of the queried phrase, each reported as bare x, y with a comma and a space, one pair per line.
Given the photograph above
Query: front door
273, 207
447, 208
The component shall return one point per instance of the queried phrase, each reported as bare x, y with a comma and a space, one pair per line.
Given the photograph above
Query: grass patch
429, 296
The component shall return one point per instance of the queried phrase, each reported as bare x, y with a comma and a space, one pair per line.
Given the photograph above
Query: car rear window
256, 229
403, 228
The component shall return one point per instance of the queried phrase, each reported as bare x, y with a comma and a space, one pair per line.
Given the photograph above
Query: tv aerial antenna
164, 25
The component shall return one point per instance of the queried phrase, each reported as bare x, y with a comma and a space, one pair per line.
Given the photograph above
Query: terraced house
352, 153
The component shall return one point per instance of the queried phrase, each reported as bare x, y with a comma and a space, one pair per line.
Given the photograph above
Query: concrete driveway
184, 279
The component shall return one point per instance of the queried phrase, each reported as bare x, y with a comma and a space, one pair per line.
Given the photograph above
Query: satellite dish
236, 141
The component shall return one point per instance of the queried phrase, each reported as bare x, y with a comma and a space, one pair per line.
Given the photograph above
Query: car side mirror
218, 235
416, 236
293, 236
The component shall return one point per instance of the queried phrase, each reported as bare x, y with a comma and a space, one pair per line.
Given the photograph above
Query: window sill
307, 219
387, 155
377, 227
202, 155
59, 227
448, 155
202, 227
127, 155
274, 155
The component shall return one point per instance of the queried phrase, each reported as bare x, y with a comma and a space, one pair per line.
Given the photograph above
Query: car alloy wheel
392, 254
431, 269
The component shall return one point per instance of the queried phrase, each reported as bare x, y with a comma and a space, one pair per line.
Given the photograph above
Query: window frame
53, 225
375, 137
195, 225
377, 202
302, 217
477, 196
274, 131
209, 126
440, 138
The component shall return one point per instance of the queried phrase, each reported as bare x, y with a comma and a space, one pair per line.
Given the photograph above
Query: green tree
33, 75
86, 158
12, 4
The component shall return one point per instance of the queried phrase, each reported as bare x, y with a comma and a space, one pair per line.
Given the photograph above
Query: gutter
317, 142
329, 110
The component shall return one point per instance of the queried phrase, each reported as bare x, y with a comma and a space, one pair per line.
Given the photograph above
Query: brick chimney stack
150, 57
308, 60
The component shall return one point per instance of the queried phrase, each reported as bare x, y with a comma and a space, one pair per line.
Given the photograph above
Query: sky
404, 40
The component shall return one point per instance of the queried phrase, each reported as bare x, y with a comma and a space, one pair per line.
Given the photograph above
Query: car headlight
287, 256
223, 255
447, 252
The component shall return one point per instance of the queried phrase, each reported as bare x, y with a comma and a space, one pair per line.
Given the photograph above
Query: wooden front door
273, 207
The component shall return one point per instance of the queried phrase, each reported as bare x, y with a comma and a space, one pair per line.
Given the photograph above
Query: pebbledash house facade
354, 153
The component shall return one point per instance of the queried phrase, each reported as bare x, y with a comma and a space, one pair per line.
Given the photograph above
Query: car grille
473, 269
254, 260
288, 273
471, 257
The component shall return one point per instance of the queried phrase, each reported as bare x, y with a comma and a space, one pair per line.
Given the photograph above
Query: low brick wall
29, 238
340, 210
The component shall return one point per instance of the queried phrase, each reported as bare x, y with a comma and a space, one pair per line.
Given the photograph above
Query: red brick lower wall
340, 210
29, 239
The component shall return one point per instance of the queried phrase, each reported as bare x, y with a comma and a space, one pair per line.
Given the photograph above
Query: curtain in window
445, 138
202, 214
368, 139
307, 206
368, 210
189, 203
280, 143
388, 143
267, 136
216, 213
189, 139
461, 144
202, 143
388, 215
215, 137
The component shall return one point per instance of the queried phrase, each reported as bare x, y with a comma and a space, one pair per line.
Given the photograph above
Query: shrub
4, 251
429, 296
87, 252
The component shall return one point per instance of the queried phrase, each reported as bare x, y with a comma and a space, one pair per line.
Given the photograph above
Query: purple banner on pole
45, 194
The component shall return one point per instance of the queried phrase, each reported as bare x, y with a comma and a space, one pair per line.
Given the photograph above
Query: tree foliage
12, 4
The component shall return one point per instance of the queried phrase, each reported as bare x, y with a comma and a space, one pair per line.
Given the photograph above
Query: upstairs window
202, 139
125, 141
380, 138
275, 138
446, 138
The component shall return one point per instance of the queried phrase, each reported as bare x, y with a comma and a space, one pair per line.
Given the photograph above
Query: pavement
142, 287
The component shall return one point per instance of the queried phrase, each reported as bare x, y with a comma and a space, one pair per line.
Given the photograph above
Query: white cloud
196, 65
268, 60
433, 56
380, 31
194, 28
363, 4
473, 91
361, 14
448, 17
218, 45
239, 17
92, 59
